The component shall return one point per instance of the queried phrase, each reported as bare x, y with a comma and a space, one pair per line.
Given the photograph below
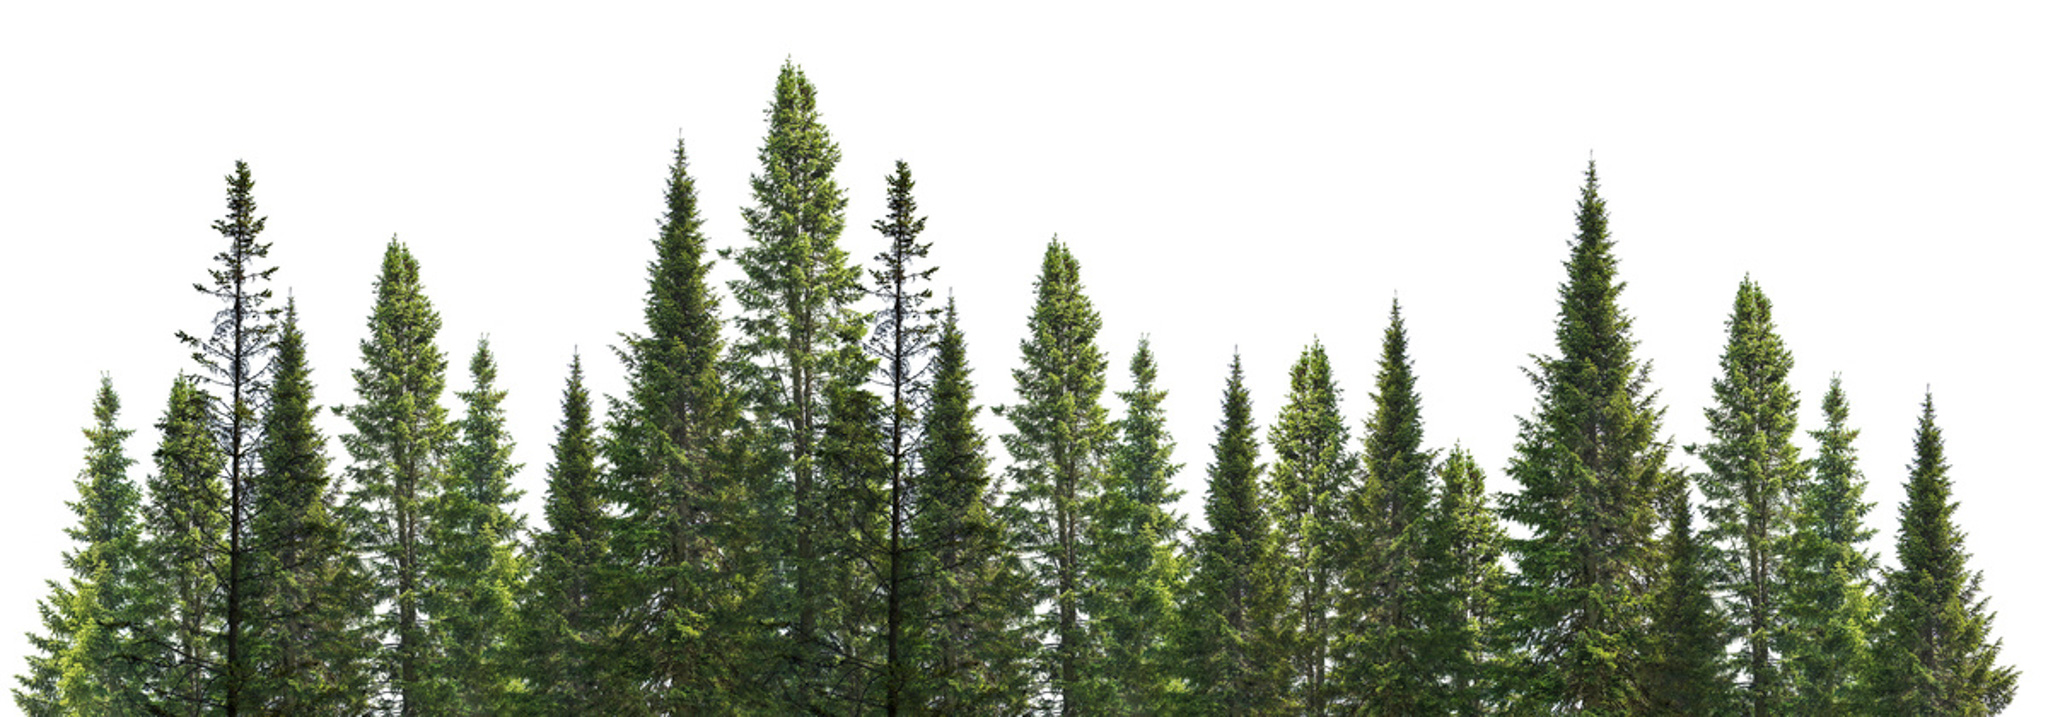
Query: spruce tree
308, 651
1388, 608
473, 573
563, 621
1935, 652
1829, 613
799, 332
1686, 673
1230, 640
186, 513
853, 478
399, 444
1753, 473
1133, 567
1466, 540
85, 661
1059, 438
233, 359
683, 536
1313, 472
1590, 465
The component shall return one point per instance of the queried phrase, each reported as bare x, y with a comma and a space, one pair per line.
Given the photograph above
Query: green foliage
1935, 651
1314, 472
1465, 540
1829, 613
1686, 670
186, 513
565, 637
1231, 641
1059, 438
1590, 465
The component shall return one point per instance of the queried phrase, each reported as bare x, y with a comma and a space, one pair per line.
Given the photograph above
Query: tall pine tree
563, 621
1313, 472
1466, 541
1060, 436
1686, 671
1935, 652
186, 513
1590, 465
1829, 614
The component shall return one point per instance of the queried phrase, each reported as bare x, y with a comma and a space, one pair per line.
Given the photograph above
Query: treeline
792, 510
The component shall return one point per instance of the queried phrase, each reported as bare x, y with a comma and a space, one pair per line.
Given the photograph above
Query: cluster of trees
806, 519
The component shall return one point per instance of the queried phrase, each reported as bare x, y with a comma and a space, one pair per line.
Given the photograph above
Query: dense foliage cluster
792, 509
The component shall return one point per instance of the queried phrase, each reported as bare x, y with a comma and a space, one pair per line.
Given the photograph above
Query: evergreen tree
799, 333
1829, 614
186, 513
85, 662
1590, 464
563, 618
1686, 674
853, 473
1230, 639
1935, 651
244, 335
1388, 609
399, 445
683, 534
1753, 472
1132, 563
965, 631
1313, 472
1466, 540
473, 574
1060, 435
307, 647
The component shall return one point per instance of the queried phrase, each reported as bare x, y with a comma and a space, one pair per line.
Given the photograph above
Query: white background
1227, 179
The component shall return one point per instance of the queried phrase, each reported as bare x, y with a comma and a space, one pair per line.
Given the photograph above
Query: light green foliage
1465, 540
1829, 612
1314, 473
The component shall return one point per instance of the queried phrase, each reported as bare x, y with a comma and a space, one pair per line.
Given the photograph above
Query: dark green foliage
1466, 540
186, 514
307, 649
1686, 673
853, 473
1061, 434
1132, 564
1590, 465
1314, 472
563, 621
81, 662
1753, 471
1230, 640
399, 445
1392, 591
1829, 612
473, 574
1935, 652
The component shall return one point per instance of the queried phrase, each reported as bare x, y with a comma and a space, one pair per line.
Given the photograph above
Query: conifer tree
1230, 639
234, 358
186, 513
966, 638
1389, 608
1132, 560
1060, 435
1829, 613
1753, 471
799, 332
1590, 465
85, 663
1686, 671
683, 534
399, 445
473, 574
563, 620
1313, 472
1935, 652
1466, 540
853, 473
308, 650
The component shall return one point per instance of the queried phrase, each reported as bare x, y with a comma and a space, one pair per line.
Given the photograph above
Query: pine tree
1132, 564
1388, 609
186, 514
399, 445
799, 333
473, 574
1313, 472
244, 335
1935, 651
1060, 435
1753, 472
307, 648
1590, 465
965, 627
1829, 613
85, 662
683, 534
1466, 540
1686, 673
1230, 641
563, 619
853, 478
